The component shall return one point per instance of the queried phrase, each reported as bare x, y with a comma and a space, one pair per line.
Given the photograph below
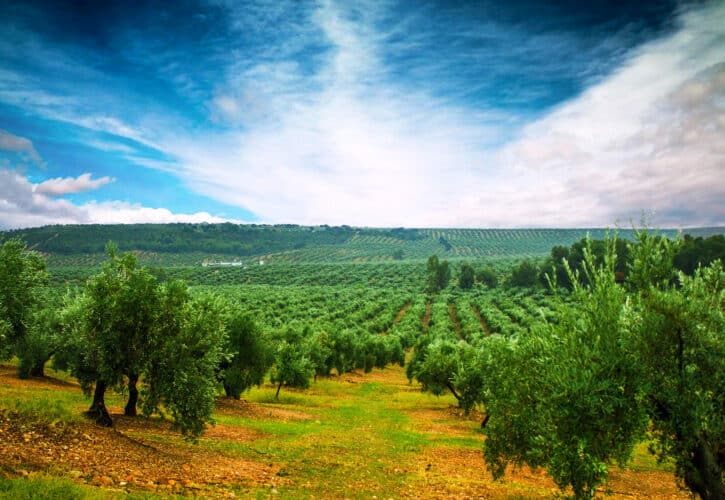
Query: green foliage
127, 326
467, 276
568, 397
438, 274
124, 302
680, 343
524, 275
184, 359
434, 366
554, 269
580, 393
488, 277
699, 251
249, 351
292, 364
22, 276
322, 353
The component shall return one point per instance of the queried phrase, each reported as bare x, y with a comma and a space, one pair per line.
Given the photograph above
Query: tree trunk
453, 391
130, 409
276, 396
38, 368
228, 392
485, 420
704, 476
98, 411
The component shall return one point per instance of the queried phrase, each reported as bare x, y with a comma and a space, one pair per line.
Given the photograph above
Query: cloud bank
24, 204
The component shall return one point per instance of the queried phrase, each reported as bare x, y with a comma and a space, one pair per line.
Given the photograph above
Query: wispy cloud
361, 148
649, 138
378, 113
70, 185
13, 143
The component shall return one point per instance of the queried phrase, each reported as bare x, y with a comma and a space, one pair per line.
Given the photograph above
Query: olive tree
293, 365
126, 326
680, 343
434, 365
249, 352
22, 278
185, 354
569, 396
124, 303
467, 277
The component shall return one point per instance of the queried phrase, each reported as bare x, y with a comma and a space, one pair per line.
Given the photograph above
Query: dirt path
455, 320
481, 320
426, 316
401, 313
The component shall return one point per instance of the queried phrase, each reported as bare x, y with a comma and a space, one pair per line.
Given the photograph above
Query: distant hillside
190, 244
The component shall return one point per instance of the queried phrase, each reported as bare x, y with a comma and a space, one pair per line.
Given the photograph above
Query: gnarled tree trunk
704, 476
130, 409
228, 392
98, 411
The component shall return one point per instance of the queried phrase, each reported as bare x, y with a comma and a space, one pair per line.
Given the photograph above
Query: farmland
385, 380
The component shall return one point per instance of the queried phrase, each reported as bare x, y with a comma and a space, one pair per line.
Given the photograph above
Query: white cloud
23, 205
649, 138
356, 148
347, 141
70, 185
10, 142
346, 149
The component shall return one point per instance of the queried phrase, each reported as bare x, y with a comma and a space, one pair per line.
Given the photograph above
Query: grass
47, 487
354, 436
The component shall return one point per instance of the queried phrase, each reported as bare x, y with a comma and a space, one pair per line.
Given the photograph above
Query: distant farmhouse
207, 263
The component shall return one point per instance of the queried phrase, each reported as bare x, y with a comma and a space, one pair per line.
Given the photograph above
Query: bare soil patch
426, 316
401, 313
120, 458
241, 407
481, 320
9, 377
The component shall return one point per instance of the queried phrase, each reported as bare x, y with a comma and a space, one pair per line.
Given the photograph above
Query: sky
367, 113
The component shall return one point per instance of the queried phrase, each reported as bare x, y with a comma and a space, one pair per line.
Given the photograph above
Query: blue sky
373, 113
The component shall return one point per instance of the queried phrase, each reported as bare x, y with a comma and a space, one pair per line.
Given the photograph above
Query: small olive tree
293, 365
250, 354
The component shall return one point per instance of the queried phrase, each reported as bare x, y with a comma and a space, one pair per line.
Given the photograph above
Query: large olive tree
23, 276
574, 396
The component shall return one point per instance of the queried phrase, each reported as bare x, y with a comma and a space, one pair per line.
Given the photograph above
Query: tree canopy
575, 395
23, 276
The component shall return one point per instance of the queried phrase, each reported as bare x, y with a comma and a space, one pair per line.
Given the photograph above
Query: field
192, 244
355, 436
352, 436
364, 431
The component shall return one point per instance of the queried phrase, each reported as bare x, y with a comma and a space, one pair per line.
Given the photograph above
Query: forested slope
192, 244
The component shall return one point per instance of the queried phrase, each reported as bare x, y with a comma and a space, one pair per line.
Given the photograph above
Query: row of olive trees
125, 326
623, 363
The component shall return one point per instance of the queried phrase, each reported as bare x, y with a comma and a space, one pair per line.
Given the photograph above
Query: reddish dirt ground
143, 454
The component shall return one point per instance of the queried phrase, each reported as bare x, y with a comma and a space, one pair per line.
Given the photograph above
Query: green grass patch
44, 487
